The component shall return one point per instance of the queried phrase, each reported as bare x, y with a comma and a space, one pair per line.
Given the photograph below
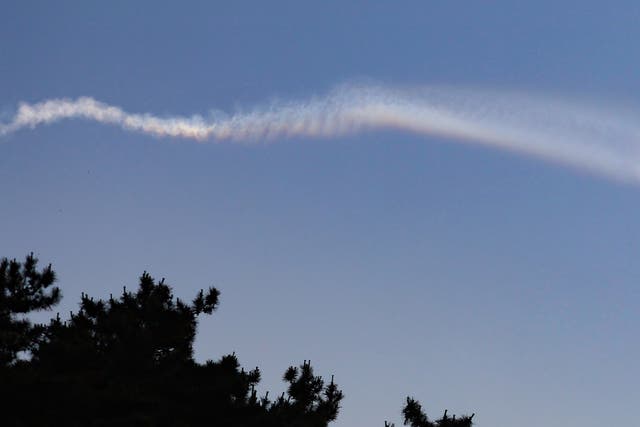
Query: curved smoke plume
589, 138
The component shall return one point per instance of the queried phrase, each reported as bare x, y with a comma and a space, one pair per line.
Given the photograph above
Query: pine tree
23, 289
129, 361
136, 331
415, 416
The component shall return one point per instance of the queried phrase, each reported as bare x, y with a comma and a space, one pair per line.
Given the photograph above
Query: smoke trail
597, 140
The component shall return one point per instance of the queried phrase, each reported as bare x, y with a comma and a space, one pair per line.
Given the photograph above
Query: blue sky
473, 279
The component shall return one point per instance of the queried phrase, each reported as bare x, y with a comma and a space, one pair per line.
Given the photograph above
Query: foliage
414, 416
129, 361
23, 289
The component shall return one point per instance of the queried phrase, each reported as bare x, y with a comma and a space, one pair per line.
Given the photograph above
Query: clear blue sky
473, 279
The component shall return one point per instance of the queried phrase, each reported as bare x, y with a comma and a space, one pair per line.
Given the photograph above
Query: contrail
594, 139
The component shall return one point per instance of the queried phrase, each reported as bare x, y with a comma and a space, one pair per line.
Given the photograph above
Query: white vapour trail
594, 139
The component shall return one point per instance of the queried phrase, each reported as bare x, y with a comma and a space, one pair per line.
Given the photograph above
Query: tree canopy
23, 289
128, 360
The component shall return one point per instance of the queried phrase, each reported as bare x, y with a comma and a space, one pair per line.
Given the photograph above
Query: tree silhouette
137, 331
23, 289
129, 361
414, 416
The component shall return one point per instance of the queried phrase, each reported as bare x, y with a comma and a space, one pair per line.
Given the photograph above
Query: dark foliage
128, 361
414, 416
23, 289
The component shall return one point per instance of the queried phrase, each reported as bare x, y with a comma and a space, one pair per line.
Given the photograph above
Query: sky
474, 278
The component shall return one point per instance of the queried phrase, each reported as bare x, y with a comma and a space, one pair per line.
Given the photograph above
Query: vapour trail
594, 139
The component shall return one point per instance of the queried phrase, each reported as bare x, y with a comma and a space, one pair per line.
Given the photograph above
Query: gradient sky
473, 279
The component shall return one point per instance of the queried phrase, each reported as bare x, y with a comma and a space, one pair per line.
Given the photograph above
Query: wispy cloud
594, 139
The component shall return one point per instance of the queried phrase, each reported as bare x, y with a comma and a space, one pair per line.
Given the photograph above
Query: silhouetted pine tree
129, 361
23, 289
137, 331
414, 416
